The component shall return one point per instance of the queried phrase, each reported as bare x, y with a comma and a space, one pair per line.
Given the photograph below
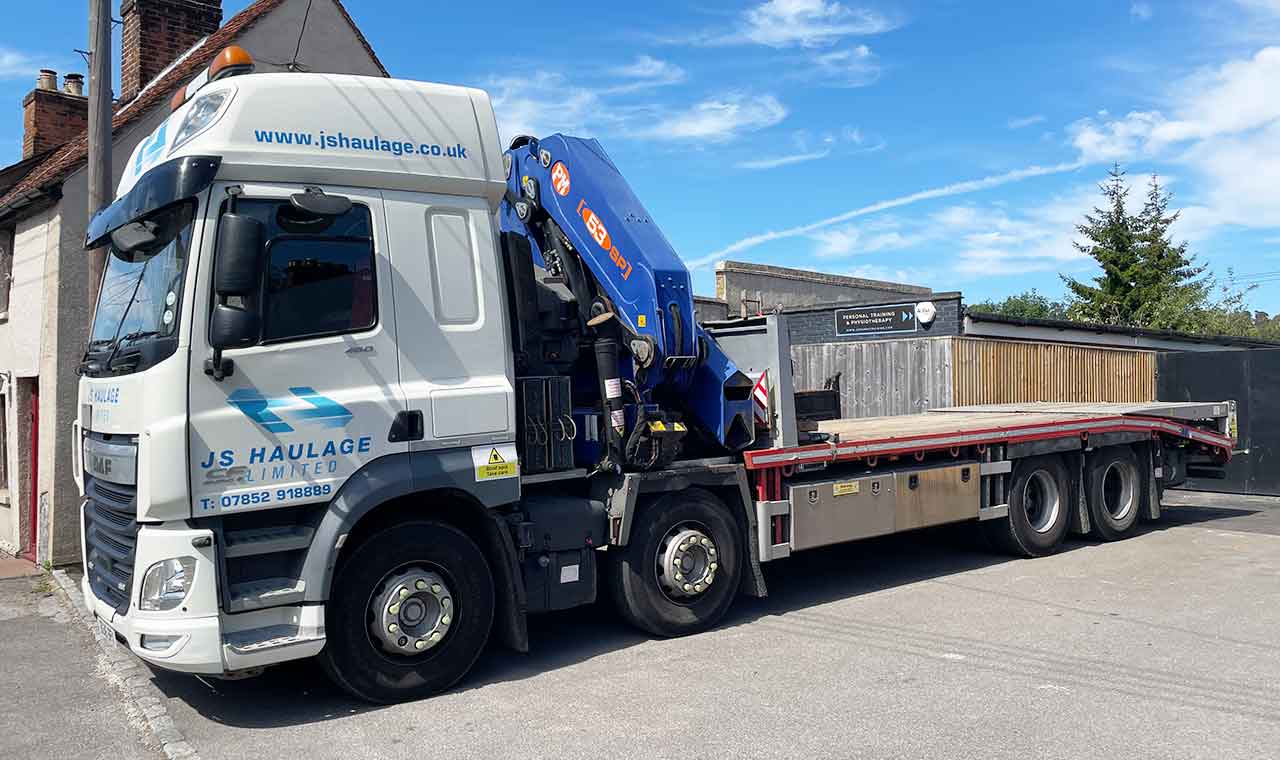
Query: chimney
156, 33
73, 84
51, 118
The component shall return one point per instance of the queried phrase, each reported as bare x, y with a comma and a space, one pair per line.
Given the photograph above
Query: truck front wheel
409, 613
680, 571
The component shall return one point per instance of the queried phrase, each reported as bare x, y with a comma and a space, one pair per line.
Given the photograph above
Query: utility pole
99, 131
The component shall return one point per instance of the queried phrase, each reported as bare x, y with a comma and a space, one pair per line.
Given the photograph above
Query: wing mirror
237, 282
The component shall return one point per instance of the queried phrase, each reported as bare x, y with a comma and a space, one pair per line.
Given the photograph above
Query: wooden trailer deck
957, 428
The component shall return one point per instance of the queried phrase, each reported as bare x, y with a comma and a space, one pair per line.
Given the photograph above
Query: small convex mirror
318, 202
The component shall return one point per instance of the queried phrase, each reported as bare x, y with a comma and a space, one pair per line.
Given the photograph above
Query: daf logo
813, 497
875, 488
544, 157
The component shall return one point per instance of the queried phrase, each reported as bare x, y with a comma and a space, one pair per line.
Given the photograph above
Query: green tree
1030, 304
1147, 280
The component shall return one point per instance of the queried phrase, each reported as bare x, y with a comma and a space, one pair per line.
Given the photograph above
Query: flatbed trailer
845, 479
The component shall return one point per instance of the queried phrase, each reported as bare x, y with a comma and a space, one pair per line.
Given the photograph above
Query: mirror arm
219, 368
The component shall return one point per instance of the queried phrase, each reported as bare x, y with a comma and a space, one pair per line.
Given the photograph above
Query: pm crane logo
304, 407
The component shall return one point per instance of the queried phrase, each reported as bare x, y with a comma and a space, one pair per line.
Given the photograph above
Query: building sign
874, 320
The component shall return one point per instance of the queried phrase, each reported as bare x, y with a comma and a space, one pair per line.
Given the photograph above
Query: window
453, 266
320, 276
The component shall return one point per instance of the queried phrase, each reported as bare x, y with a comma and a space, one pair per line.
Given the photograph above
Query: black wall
1252, 379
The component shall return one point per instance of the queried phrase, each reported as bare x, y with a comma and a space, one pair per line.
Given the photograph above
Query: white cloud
541, 103
955, 188
717, 119
14, 65
849, 67
1223, 124
1140, 11
809, 23
791, 24
1025, 121
891, 274
775, 162
643, 73
845, 141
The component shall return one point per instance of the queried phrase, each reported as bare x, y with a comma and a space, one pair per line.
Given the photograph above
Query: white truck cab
324, 385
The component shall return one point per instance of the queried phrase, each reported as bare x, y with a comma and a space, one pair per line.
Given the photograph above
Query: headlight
167, 583
201, 114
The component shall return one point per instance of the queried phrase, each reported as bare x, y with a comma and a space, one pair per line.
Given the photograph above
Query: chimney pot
48, 80
73, 84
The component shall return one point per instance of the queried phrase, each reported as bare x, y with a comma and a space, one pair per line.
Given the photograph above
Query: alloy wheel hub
412, 612
687, 562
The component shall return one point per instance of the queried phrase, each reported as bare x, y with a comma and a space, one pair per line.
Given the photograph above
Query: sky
953, 145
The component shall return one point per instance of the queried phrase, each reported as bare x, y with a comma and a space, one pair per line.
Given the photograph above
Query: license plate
105, 631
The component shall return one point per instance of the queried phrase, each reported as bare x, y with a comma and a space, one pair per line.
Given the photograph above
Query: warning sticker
495, 462
846, 488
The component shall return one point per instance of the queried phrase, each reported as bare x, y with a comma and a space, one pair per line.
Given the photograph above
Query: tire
662, 606
1039, 509
1114, 486
441, 569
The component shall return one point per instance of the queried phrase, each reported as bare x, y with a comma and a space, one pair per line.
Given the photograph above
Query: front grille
110, 538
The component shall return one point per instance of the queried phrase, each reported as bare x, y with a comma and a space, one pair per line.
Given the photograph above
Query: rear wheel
409, 613
1039, 509
680, 571
1114, 494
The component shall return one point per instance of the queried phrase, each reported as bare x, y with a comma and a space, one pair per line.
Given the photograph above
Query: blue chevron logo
304, 408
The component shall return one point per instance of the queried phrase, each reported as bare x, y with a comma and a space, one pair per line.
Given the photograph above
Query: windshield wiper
137, 334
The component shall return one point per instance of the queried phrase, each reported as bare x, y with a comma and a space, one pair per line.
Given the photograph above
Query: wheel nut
712, 551
444, 620
688, 587
404, 592
435, 635
420, 585
714, 566
445, 602
706, 542
393, 609
708, 579
420, 644
393, 628
679, 576
435, 588
698, 588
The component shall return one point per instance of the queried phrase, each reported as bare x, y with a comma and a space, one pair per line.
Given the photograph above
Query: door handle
359, 350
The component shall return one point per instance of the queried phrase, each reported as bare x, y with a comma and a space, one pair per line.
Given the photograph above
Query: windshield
142, 290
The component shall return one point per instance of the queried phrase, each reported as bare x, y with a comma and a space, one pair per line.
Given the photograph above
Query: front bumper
194, 637
187, 638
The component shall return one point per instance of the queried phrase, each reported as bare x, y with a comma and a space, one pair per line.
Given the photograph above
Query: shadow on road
298, 692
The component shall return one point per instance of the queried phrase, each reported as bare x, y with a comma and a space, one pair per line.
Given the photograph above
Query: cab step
280, 538
268, 592
269, 637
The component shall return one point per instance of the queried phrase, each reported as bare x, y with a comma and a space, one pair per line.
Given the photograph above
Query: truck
365, 387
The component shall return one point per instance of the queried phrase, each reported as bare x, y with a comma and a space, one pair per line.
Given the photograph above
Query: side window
320, 278
453, 267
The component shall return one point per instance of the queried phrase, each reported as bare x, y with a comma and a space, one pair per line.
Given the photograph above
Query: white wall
20, 335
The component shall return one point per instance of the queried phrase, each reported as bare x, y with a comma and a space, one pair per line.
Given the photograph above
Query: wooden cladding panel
1004, 371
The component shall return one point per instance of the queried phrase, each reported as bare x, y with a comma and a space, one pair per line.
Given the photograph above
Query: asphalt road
1165, 645
58, 697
